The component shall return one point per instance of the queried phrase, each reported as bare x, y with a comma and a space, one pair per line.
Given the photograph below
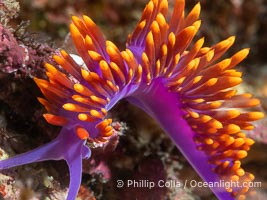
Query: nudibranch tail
183, 85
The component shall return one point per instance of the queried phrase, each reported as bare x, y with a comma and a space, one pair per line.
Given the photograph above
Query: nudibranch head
179, 83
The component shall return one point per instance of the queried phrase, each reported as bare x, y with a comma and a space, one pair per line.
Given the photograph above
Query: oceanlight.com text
187, 183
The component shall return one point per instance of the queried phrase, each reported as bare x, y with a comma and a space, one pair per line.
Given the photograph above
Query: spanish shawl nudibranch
185, 89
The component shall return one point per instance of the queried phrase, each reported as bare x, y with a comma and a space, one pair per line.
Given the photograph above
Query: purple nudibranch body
185, 89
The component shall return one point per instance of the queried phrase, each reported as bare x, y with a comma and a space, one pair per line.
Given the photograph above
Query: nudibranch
183, 85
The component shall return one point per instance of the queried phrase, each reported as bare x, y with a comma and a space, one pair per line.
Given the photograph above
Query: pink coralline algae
20, 54
181, 84
12, 54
